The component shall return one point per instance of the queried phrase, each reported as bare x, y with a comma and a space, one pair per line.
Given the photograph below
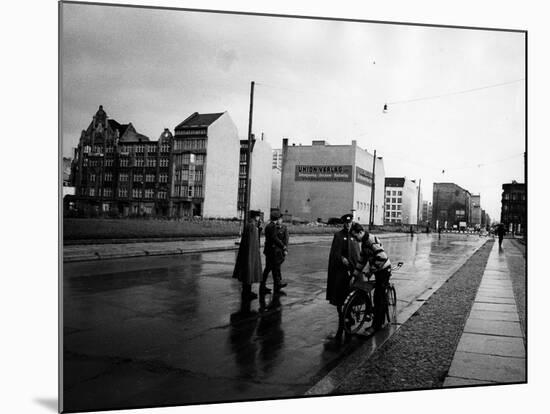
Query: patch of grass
104, 229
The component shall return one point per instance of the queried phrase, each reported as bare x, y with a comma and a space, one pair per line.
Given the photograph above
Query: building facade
401, 203
451, 208
205, 167
476, 211
426, 213
513, 212
118, 171
277, 160
260, 177
322, 181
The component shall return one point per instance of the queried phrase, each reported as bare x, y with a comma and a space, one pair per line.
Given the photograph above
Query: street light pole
371, 210
249, 153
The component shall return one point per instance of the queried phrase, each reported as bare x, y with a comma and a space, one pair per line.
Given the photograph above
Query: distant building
514, 207
402, 195
275, 189
205, 167
117, 170
485, 220
451, 206
321, 181
476, 211
277, 158
426, 212
260, 177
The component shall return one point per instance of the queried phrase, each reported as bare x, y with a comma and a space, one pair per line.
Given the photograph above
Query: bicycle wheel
356, 311
391, 304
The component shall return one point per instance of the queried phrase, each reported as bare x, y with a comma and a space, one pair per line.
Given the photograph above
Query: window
136, 192
399, 193
123, 177
91, 192
92, 178
190, 192
191, 158
198, 191
150, 178
393, 207
151, 149
393, 213
97, 148
388, 199
399, 200
185, 159
164, 148
184, 175
393, 192
138, 178
393, 200
163, 178
108, 192
161, 195
140, 148
123, 192
109, 149
108, 177
87, 149
124, 162
109, 162
149, 193
388, 192
151, 162
164, 162
138, 162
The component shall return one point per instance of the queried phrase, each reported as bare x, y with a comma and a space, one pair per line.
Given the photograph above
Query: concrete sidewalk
88, 252
492, 348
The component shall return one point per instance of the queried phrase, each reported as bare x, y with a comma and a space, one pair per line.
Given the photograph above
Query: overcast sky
455, 96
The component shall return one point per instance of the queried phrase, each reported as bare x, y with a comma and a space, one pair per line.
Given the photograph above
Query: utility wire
455, 93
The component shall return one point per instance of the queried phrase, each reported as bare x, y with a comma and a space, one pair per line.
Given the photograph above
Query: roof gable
196, 119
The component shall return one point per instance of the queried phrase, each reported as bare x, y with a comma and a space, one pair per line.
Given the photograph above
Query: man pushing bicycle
373, 255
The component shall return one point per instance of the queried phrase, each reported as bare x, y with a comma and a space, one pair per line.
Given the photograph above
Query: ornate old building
118, 171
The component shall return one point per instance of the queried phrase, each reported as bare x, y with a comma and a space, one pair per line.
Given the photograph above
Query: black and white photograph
280, 208
266, 206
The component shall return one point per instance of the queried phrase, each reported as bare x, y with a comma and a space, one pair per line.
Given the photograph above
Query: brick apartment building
451, 206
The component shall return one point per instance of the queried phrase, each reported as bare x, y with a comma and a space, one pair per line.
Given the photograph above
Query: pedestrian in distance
248, 266
344, 253
374, 258
275, 250
501, 231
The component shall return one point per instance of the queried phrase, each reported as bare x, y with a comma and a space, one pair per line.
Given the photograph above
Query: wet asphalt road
171, 330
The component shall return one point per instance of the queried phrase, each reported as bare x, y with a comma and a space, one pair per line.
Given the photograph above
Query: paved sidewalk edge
337, 375
90, 257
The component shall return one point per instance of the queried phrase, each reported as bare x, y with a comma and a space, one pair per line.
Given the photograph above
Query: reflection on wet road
172, 330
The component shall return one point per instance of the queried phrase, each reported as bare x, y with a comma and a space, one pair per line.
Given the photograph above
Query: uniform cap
346, 218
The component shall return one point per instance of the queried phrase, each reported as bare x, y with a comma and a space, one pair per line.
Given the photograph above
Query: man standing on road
275, 250
373, 255
343, 256
248, 267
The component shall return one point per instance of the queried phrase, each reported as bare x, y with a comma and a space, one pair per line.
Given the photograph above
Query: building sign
323, 173
363, 176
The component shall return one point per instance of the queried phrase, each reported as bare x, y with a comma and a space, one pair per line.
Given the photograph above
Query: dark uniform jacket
338, 278
276, 241
248, 267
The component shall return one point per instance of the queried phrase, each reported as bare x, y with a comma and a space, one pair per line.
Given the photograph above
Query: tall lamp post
249, 154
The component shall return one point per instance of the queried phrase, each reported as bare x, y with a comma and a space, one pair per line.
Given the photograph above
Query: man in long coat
343, 257
248, 267
275, 250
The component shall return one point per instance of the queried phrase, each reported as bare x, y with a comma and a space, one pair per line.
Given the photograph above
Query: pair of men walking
248, 267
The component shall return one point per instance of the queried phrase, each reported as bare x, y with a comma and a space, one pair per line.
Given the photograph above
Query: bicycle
359, 306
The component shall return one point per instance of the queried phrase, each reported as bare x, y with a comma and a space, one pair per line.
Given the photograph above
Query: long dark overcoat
248, 266
338, 277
